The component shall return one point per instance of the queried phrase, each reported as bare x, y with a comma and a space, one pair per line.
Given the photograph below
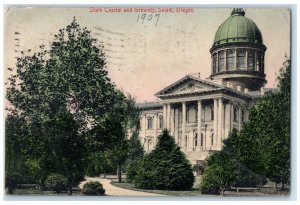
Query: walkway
111, 190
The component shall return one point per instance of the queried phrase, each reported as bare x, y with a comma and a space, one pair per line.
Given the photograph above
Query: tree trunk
275, 186
222, 192
119, 174
104, 174
282, 186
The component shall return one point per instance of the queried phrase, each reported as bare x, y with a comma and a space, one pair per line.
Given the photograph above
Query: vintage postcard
147, 101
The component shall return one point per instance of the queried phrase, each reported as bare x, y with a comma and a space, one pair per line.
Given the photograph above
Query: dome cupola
238, 52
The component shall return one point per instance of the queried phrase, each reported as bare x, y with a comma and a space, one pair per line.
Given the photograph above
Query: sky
143, 57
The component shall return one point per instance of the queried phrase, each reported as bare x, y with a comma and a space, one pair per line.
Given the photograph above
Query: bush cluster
93, 188
56, 182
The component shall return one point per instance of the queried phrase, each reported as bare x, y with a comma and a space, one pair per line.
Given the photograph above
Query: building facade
200, 113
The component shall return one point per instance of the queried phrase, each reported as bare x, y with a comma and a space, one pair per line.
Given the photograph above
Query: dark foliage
166, 167
93, 188
57, 183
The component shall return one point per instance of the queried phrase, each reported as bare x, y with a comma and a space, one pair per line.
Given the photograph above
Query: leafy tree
67, 148
111, 135
267, 151
166, 167
243, 148
219, 175
60, 94
135, 155
70, 76
15, 170
262, 148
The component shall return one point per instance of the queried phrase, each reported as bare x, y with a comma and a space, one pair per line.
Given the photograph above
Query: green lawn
125, 185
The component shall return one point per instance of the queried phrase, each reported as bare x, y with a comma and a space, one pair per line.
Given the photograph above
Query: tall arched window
221, 61
211, 113
230, 59
235, 114
196, 140
258, 61
212, 138
161, 122
241, 59
214, 63
150, 123
250, 60
201, 140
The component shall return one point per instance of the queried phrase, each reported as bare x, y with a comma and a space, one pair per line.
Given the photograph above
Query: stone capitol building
200, 113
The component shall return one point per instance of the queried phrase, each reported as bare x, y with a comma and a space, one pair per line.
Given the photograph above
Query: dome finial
238, 11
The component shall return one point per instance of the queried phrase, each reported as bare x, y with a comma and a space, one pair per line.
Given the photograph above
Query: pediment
188, 84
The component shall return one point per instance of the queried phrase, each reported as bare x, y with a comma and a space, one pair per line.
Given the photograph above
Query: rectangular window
235, 114
212, 113
150, 123
230, 60
221, 61
243, 116
161, 122
241, 60
250, 60
214, 63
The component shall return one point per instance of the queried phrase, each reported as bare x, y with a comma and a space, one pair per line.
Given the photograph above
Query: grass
126, 185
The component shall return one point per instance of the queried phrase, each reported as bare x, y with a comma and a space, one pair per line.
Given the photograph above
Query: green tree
266, 136
70, 77
262, 148
67, 148
219, 175
166, 167
16, 131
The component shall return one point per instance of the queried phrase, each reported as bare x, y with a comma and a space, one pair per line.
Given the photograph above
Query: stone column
225, 59
220, 122
172, 122
155, 122
145, 125
199, 123
255, 60
235, 59
164, 116
217, 63
215, 120
183, 123
231, 116
168, 116
227, 119
240, 118
246, 60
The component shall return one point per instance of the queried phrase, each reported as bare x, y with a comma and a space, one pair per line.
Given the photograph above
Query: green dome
238, 28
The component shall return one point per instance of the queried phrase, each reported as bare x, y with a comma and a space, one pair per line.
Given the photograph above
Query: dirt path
111, 190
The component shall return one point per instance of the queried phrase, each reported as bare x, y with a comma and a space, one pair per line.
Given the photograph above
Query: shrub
132, 170
248, 178
93, 188
166, 167
219, 175
56, 182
